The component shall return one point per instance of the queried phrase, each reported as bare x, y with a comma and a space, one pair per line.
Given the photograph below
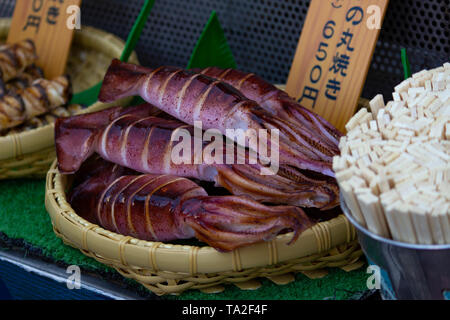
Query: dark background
4, 293
263, 34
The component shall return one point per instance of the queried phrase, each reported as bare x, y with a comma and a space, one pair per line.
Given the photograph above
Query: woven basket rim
158, 256
11, 145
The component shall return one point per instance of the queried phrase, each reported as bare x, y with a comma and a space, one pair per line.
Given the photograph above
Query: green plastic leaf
212, 48
405, 63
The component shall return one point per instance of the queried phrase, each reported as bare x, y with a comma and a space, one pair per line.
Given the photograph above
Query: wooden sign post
50, 24
333, 56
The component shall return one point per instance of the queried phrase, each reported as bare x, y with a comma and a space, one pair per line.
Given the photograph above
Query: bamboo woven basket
172, 268
30, 153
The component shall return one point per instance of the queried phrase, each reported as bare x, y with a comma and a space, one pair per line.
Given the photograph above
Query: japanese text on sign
333, 56
51, 15
340, 62
50, 24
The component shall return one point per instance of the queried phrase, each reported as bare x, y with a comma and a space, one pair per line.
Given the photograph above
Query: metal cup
415, 271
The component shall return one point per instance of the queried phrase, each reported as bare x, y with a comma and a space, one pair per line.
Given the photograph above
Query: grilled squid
192, 97
164, 208
42, 96
21, 81
136, 139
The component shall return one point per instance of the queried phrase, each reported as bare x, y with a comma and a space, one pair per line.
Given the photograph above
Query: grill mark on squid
144, 155
146, 92
162, 89
101, 201
234, 108
131, 199
267, 97
148, 221
106, 132
204, 71
241, 82
223, 74
183, 93
113, 215
124, 141
192, 192
200, 102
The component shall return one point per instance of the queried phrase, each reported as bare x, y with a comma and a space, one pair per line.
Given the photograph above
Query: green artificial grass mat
24, 221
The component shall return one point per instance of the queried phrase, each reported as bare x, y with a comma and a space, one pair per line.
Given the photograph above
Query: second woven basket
30, 153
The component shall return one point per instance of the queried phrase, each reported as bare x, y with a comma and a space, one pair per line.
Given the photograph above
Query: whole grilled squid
136, 139
166, 207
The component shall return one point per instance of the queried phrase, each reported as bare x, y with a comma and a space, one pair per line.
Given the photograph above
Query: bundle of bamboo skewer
394, 167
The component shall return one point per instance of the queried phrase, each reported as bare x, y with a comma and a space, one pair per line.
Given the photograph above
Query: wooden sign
50, 23
333, 56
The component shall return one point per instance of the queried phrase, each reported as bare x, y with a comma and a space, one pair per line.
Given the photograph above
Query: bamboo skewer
394, 166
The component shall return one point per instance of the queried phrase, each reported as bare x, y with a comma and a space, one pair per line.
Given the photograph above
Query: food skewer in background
21, 81
14, 58
134, 138
42, 96
194, 97
45, 119
165, 207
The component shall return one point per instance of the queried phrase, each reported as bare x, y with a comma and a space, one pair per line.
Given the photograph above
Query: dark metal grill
263, 34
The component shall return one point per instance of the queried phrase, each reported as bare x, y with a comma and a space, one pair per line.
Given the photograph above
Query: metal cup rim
373, 236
